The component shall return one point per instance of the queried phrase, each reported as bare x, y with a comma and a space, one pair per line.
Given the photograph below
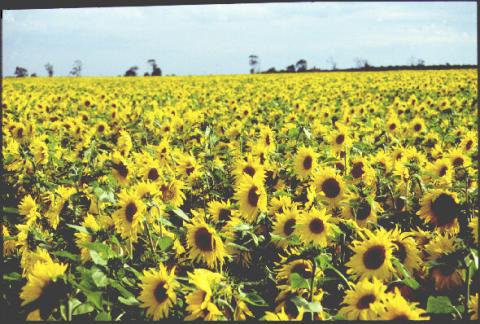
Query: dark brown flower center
443, 171
160, 292
340, 139
267, 140
153, 174
307, 163
445, 209
130, 211
204, 240
101, 128
363, 210
469, 145
249, 170
121, 169
401, 317
458, 162
189, 170
365, 301
392, 127
331, 188
316, 226
417, 127
374, 257
253, 196
302, 269
446, 269
357, 170
289, 226
224, 214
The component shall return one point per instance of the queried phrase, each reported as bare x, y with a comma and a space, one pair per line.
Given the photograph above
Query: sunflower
440, 244
124, 143
92, 227
204, 243
407, 251
44, 287
279, 204
417, 126
199, 302
29, 209
128, 218
314, 226
299, 266
248, 166
188, 168
284, 301
8, 242
473, 307
446, 276
150, 170
252, 197
276, 316
360, 301
284, 226
330, 186
221, 211
360, 171
158, 291
121, 169
305, 162
339, 139
39, 150
442, 172
441, 208
171, 192
372, 255
241, 310
363, 210
396, 307
267, 138
469, 143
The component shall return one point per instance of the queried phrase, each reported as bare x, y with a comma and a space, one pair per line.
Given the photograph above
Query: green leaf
65, 254
439, 305
125, 293
79, 228
307, 133
323, 261
11, 210
297, 281
253, 298
165, 242
100, 279
97, 259
94, 297
131, 301
12, 276
103, 317
180, 213
83, 309
103, 195
103, 249
237, 246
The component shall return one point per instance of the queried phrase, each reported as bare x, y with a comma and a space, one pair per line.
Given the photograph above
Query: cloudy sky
217, 39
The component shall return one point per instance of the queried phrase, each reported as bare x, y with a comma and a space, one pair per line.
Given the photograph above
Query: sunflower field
314, 196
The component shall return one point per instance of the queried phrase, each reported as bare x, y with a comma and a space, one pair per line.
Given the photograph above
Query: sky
217, 39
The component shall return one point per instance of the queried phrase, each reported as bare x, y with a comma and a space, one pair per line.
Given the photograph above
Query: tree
253, 61
332, 63
301, 65
146, 74
291, 68
49, 68
33, 75
421, 62
156, 71
361, 63
77, 68
271, 70
132, 71
21, 72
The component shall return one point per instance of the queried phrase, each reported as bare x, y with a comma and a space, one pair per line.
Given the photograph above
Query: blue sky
217, 39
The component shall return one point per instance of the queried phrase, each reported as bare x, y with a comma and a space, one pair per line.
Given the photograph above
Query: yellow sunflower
284, 225
314, 227
305, 162
396, 307
372, 255
29, 209
204, 243
252, 197
360, 301
128, 219
158, 291
473, 307
407, 251
441, 208
329, 186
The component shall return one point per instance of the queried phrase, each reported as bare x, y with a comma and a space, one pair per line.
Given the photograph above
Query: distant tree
156, 71
33, 75
132, 71
411, 61
420, 62
146, 74
291, 68
361, 63
332, 63
271, 70
21, 72
49, 68
301, 65
77, 68
253, 61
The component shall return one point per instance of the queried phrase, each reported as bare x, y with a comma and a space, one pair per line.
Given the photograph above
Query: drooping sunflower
8, 245
359, 302
363, 210
473, 224
279, 204
314, 227
252, 197
29, 209
329, 186
44, 287
300, 266
407, 251
276, 316
188, 168
220, 210
204, 243
158, 291
398, 308
372, 255
121, 168
171, 192
440, 207
199, 302
473, 307
128, 219
305, 162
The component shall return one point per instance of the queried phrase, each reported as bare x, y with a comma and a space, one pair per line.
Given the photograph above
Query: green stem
314, 268
467, 295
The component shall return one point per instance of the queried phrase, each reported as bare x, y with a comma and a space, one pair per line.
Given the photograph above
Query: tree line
361, 64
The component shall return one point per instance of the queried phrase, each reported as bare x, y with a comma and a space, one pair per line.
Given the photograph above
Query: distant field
321, 196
